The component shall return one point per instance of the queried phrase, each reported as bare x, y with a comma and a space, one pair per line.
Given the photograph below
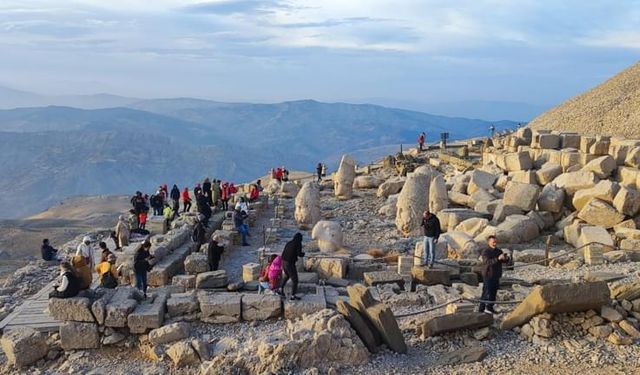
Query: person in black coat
204, 208
492, 259
431, 226
175, 199
292, 251
214, 252
47, 251
141, 266
69, 283
199, 233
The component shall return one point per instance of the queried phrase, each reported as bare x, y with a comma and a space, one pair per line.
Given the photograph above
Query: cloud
234, 7
614, 39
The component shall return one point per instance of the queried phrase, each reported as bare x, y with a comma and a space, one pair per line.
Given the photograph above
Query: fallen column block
431, 276
453, 322
220, 307
148, 316
172, 264
383, 277
261, 307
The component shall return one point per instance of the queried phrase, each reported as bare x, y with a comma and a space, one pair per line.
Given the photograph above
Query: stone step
171, 265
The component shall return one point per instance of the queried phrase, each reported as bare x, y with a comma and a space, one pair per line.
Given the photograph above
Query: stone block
503, 211
185, 281
593, 255
220, 307
23, 346
309, 304
99, 306
550, 141
430, 276
518, 161
327, 267
148, 315
604, 190
558, 298
602, 166
77, 309
169, 333
261, 307
547, 173
163, 271
212, 280
523, 196
551, 198
570, 140
383, 277
627, 201
600, 213
182, 304
454, 322
586, 142
480, 180
250, 272
628, 177
460, 308
123, 302
569, 159
405, 263
308, 278
79, 336
599, 147
196, 263
571, 182
365, 330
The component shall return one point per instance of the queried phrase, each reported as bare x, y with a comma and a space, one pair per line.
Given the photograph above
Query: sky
539, 52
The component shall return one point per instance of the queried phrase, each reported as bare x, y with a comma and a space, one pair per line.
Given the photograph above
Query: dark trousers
176, 207
225, 204
290, 272
489, 292
187, 207
214, 262
141, 282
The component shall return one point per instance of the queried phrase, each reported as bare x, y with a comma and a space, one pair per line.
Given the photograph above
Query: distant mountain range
51, 153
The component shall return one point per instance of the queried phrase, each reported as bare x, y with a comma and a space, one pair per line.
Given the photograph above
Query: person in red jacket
421, 140
225, 194
279, 174
186, 200
254, 193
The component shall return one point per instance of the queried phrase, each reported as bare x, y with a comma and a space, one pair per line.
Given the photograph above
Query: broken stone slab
183, 354
220, 307
460, 245
571, 182
171, 265
453, 322
79, 336
169, 333
212, 280
182, 304
551, 198
185, 281
123, 302
309, 304
148, 315
99, 306
480, 180
605, 190
383, 277
261, 307
367, 333
23, 346
602, 166
502, 211
626, 291
430, 276
451, 217
558, 298
469, 354
600, 213
196, 263
77, 309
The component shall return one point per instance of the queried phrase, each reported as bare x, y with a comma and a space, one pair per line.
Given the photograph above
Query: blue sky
538, 52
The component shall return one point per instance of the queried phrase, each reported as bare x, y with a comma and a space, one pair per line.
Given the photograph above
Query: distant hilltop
611, 108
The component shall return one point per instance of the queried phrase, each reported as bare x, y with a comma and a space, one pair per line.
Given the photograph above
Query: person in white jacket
86, 252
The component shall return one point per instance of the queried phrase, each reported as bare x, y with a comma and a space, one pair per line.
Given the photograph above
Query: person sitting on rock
263, 281
243, 205
491, 263
292, 250
69, 283
105, 252
48, 252
254, 193
275, 272
142, 266
83, 271
238, 219
108, 273
214, 252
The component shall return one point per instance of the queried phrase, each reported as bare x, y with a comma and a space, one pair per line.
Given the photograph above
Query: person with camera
492, 259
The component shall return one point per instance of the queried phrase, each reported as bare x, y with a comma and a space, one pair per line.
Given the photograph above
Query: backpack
108, 281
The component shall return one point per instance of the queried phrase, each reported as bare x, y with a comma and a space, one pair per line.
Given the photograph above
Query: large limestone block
383, 277
592, 234
524, 177
412, 202
571, 182
570, 140
480, 180
438, 197
367, 333
600, 146
551, 141
182, 304
518, 161
79, 336
586, 142
392, 186
123, 302
261, 307
461, 245
23, 346
288, 189
602, 166
454, 322
441, 252
451, 217
212, 280
182, 354
627, 201
459, 198
633, 158
479, 196
169, 333
307, 305
148, 315
196, 263
517, 229
604, 190
558, 298
366, 182
523, 196
571, 233
307, 205
628, 177
551, 198
430, 276
99, 306
77, 309
327, 267
220, 307
487, 208
600, 213
502, 211
344, 177
473, 226
328, 234
569, 159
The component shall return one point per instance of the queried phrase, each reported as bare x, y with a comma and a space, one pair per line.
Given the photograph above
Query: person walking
47, 251
431, 226
122, 232
238, 219
69, 283
186, 200
319, 172
141, 266
214, 252
292, 250
421, 139
491, 262
175, 199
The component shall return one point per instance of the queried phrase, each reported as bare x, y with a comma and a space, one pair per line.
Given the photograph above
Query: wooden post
546, 252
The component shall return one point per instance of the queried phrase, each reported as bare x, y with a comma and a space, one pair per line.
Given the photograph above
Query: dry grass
376, 253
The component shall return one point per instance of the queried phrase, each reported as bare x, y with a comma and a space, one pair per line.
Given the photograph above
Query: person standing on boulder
238, 219
292, 250
319, 172
421, 140
206, 190
186, 200
175, 199
141, 266
432, 231
492, 259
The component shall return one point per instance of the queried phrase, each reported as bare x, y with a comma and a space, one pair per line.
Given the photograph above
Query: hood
297, 237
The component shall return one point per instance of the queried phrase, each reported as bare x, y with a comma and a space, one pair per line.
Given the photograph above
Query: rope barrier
473, 300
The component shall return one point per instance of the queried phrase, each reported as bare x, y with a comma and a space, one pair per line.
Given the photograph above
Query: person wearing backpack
141, 266
69, 283
108, 273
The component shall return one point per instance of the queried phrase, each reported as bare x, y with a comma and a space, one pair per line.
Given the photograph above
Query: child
142, 218
141, 266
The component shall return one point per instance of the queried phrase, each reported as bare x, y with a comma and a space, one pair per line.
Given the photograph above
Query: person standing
491, 263
138, 202
199, 233
175, 199
432, 231
224, 196
319, 171
47, 251
186, 200
292, 250
215, 192
214, 252
421, 140
197, 190
206, 190
238, 219
85, 251
122, 232
204, 208
141, 266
